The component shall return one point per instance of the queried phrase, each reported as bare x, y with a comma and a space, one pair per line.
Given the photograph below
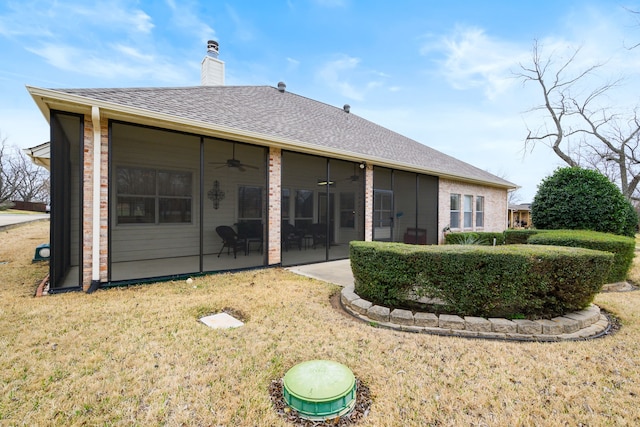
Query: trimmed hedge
516, 237
472, 280
474, 238
623, 248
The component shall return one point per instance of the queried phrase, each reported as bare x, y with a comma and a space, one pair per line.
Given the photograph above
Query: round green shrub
582, 199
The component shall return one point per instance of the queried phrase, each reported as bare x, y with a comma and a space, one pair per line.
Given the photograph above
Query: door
322, 214
383, 215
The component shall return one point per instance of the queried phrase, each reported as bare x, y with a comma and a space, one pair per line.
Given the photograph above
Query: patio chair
251, 232
230, 240
319, 233
291, 236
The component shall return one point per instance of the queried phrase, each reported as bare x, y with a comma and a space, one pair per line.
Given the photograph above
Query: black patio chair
319, 234
291, 236
251, 231
230, 240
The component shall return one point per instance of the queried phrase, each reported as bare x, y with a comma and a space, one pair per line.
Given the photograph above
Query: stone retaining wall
587, 323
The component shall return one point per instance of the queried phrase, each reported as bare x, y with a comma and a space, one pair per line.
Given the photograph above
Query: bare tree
7, 186
21, 179
579, 125
513, 197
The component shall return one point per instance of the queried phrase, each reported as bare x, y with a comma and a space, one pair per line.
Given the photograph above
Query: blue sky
439, 72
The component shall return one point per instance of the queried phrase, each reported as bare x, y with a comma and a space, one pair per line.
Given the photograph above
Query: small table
249, 241
307, 240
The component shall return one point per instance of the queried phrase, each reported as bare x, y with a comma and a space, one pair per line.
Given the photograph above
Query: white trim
97, 140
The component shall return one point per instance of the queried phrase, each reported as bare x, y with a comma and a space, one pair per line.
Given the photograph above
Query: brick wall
275, 206
495, 205
104, 194
87, 203
368, 204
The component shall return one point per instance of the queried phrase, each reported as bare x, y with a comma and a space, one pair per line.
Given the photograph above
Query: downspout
95, 233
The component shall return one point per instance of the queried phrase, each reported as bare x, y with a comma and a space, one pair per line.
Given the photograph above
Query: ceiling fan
233, 163
355, 177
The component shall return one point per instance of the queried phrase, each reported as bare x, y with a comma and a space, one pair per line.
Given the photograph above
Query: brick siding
495, 205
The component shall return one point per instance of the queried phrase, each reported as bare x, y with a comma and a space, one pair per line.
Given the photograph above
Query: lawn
138, 356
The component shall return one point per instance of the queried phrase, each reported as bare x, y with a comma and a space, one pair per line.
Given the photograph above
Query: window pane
455, 202
468, 223
175, 210
480, 211
135, 210
136, 181
250, 202
468, 203
468, 211
286, 203
455, 219
174, 183
347, 210
304, 204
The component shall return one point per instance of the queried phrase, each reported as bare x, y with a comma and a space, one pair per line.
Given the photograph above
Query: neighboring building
520, 215
142, 179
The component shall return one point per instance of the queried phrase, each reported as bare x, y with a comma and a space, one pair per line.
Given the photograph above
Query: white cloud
243, 31
121, 62
133, 53
340, 75
188, 19
472, 59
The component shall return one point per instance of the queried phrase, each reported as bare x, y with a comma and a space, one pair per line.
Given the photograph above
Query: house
146, 183
520, 215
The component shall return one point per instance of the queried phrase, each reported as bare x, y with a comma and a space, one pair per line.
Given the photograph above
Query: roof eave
48, 99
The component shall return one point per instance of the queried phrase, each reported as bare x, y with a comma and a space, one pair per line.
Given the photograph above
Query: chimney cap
281, 86
347, 108
213, 48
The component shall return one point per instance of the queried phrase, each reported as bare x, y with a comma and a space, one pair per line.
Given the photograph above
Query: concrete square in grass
221, 321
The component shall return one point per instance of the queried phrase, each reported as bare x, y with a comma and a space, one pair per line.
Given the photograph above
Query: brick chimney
212, 73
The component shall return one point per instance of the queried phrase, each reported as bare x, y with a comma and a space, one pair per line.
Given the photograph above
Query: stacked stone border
580, 325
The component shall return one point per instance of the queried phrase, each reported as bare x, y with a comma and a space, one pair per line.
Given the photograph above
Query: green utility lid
320, 389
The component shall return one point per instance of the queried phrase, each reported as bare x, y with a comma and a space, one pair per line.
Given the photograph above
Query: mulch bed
361, 409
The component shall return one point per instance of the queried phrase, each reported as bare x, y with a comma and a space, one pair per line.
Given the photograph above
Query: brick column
104, 198
87, 202
275, 206
368, 204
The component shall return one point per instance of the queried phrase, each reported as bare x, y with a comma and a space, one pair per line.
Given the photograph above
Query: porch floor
162, 267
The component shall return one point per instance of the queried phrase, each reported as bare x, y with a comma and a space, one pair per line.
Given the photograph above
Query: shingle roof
267, 111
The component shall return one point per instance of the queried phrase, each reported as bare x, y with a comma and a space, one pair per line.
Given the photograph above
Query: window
382, 208
285, 204
454, 217
347, 210
249, 203
151, 196
468, 211
304, 208
479, 211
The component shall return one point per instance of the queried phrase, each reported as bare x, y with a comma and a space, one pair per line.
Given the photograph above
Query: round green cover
319, 380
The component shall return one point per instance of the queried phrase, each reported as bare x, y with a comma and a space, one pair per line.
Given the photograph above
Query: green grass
138, 356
